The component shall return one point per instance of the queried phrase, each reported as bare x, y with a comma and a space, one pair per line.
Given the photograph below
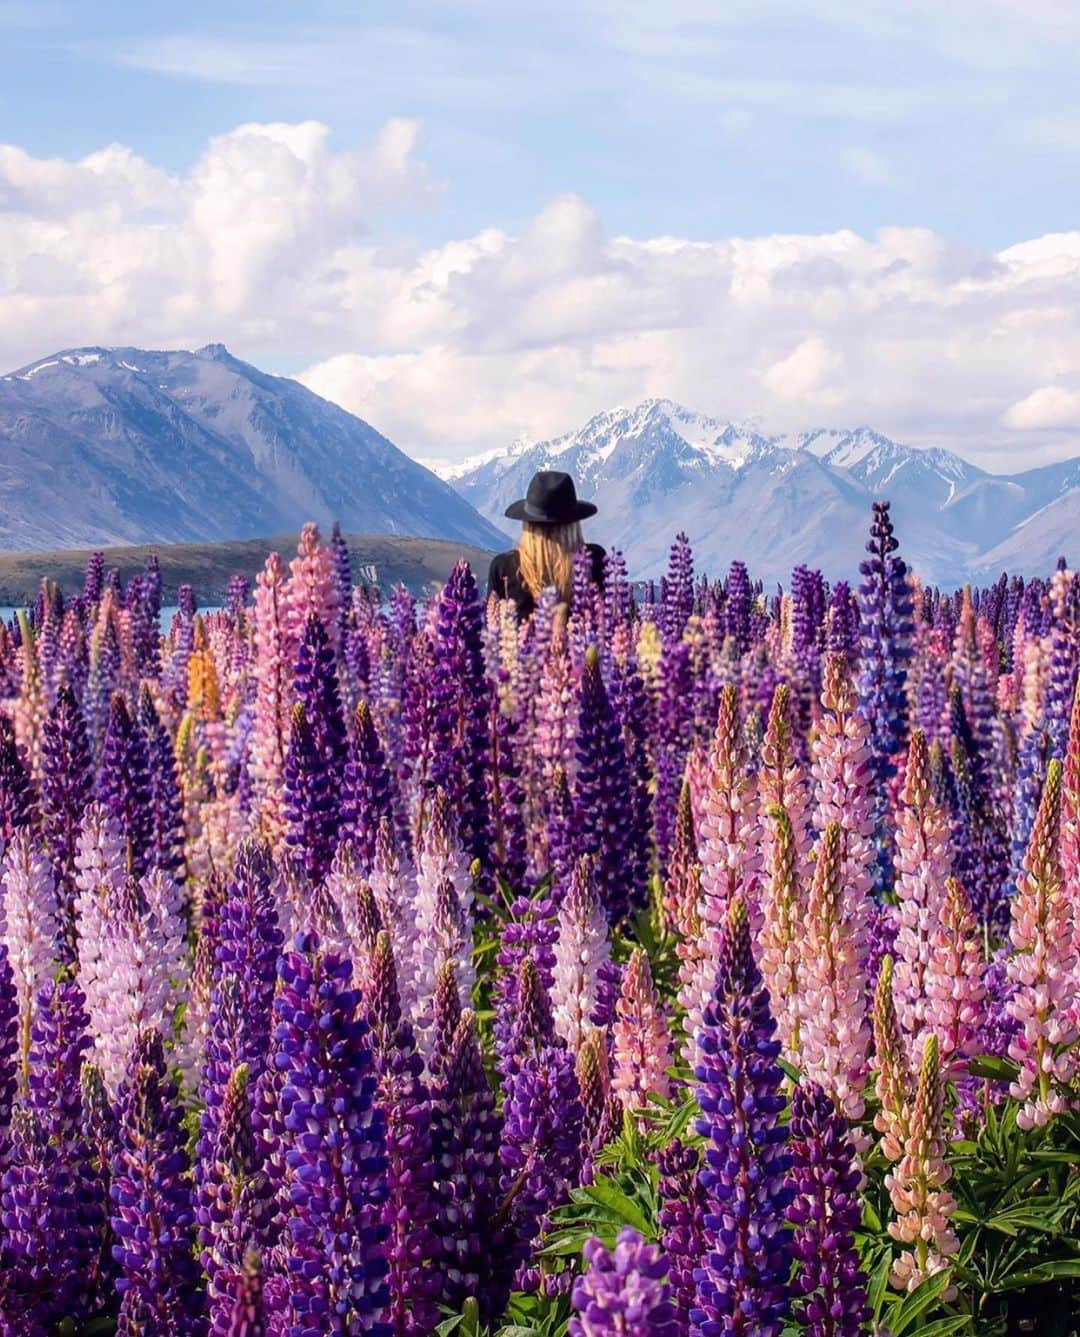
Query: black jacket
504, 577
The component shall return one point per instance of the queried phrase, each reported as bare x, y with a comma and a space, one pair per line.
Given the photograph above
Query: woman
550, 536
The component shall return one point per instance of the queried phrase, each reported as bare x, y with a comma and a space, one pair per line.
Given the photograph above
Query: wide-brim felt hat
551, 500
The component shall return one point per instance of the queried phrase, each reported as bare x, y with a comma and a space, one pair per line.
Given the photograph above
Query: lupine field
704, 962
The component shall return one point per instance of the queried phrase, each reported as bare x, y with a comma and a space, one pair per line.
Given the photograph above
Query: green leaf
906, 1312
992, 1067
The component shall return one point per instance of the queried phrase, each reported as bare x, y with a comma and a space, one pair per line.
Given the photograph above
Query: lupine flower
581, 948
681, 1218
167, 810
123, 785
826, 1211
66, 789
833, 1031
641, 1040
742, 1281
334, 1147
16, 794
151, 1212
917, 1184
602, 791
623, 1291
955, 992
893, 1079
1042, 967
29, 925
922, 867
366, 797
842, 775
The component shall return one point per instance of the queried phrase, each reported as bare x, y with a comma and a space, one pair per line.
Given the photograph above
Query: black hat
551, 500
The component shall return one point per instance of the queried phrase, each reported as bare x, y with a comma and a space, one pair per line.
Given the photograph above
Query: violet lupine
922, 866
742, 1280
151, 1210
530, 931
916, 1186
1043, 967
641, 1039
681, 1219
833, 1031
123, 784
334, 1143
244, 1311
540, 1151
601, 1113
167, 802
65, 790
53, 1204
738, 606
28, 926
829, 1283
466, 1132
460, 691
623, 1291
673, 727
678, 588
16, 792
886, 627
409, 1213
9, 1050
309, 800
366, 791
603, 791
581, 948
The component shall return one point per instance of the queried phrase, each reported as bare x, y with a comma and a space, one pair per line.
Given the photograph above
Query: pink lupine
273, 669
29, 924
1042, 966
922, 864
834, 1032
728, 834
953, 982
640, 1038
783, 916
1070, 837
782, 781
842, 777
313, 587
892, 1082
581, 949
916, 1186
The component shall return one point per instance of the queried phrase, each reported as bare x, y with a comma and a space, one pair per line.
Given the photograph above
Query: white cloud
290, 249
1047, 407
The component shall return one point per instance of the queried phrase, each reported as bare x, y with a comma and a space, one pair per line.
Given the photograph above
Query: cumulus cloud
294, 251
1048, 406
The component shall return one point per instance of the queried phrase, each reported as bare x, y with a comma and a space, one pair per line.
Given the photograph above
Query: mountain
776, 501
121, 446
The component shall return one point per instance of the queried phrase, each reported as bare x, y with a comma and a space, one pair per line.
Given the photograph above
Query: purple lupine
310, 800
505, 797
742, 1283
9, 1049
94, 579
123, 785
829, 1283
315, 686
249, 1307
842, 623
334, 1145
465, 1143
737, 607
678, 588
234, 1204
530, 931
151, 1210
673, 728
886, 627
99, 1137
66, 789
68, 1191
603, 791
623, 1291
459, 691
561, 833
540, 1150
16, 792
630, 702
339, 552
681, 1218
167, 802
409, 1212
366, 797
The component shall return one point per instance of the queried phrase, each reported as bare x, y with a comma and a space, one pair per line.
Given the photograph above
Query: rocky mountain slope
114, 446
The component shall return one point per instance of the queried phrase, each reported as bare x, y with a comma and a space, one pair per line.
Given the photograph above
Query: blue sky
699, 119
473, 220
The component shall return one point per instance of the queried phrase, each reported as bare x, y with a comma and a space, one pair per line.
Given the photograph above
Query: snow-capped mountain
122, 445
776, 501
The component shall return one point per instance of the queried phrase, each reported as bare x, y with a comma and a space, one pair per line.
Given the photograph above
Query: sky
471, 221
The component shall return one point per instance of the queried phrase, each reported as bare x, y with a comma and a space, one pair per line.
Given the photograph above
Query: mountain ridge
107, 446
777, 500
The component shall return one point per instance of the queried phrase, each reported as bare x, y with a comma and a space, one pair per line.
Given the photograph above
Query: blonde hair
546, 553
